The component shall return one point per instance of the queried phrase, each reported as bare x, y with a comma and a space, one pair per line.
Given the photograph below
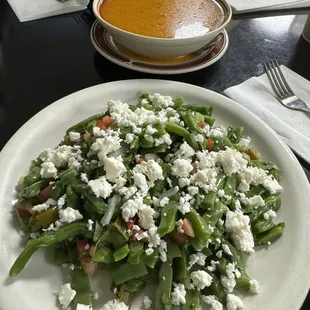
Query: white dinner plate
282, 269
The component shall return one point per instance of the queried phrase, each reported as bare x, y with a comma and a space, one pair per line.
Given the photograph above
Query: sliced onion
112, 202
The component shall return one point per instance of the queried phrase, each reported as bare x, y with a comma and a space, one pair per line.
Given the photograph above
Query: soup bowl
162, 47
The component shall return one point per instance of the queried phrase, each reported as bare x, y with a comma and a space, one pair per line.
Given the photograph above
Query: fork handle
306, 110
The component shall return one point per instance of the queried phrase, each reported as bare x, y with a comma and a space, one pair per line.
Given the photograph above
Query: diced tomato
130, 224
188, 228
80, 246
86, 137
140, 160
178, 237
88, 265
24, 209
107, 121
101, 124
46, 193
201, 124
210, 145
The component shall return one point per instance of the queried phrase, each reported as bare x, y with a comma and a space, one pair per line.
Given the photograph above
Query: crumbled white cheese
163, 250
154, 240
184, 204
150, 130
219, 254
69, 215
179, 225
234, 302
201, 279
84, 177
83, 307
270, 214
219, 131
226, 249
40, 207
254, 286
61, 201
212, 267
48, 170
87, 247
145, 214
160, 101
106, 145
71, 267
254, 201
178, 294
129, 138
272, 185
184, 182
199, 138
193, 190
238, 225
244, 143
181, 168
66, 295
101, 187
149, 251
130, 208
164, 201
90, 224
141, 182
198, 258
228, 283
113, 167
147, 302
74, 136
95, 296
212, 301
185, 151
205, 179
151, 169
114, 305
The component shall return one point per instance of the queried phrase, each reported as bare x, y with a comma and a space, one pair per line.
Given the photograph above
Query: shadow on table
300, 60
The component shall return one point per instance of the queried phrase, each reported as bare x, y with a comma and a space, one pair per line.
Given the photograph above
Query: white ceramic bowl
160, 47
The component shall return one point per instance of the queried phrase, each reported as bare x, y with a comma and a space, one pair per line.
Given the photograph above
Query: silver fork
284, 93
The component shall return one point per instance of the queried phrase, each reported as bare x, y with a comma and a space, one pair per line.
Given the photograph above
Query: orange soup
163, 18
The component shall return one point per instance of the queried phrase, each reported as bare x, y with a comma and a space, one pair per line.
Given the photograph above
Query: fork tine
273, 81
290, 92
279, 77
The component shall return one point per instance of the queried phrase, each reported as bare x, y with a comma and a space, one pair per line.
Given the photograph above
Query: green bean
271, 203
33, 176
234, 134
82, 125
97, 204
201, 229
147, 143
135, 253
73, 199
177, 129
126, 272
178, 102
160, 185
190, 122
150, 260
218, 290
168, 217
209, 120
46, 240
262, 226
163, 291
36, 163
80, 283
58, 190
121, 252
67, 176
192, 300
160, 130
205, 110
221, 143
180, 267
236, 256
98, 231
270, 235
173, 250
103, 255
230, 185
215, 214
256, 190
34, 189
134, 285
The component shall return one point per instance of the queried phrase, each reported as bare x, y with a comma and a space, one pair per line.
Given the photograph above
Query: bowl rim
224, 3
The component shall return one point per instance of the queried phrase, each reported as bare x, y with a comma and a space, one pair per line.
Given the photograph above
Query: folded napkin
257, 95
27, 10
243, 6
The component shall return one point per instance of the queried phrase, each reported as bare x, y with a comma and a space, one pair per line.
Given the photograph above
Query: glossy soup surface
163, 18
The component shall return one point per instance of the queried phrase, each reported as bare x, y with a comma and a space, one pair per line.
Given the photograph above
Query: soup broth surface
163, 18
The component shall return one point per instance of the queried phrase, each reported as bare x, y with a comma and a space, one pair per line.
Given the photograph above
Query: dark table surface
42, 61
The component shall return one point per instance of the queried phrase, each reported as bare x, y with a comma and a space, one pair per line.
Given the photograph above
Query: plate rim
159, 71
10, 146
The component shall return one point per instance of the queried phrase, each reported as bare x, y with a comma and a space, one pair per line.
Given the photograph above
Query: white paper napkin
257, 95
27, 10
243, 6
